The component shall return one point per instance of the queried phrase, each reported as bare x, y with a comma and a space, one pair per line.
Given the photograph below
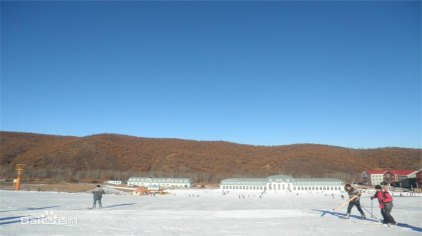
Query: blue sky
261, 73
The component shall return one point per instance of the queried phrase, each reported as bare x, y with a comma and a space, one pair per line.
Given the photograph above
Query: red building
419, 178
404, 178
389, 177
398, 178
401, 174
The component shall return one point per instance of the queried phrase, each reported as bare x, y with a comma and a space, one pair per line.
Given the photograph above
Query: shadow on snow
5, 220
342, 215
32, 209
118, 205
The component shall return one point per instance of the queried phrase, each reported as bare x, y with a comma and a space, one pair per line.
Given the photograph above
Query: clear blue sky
261, 73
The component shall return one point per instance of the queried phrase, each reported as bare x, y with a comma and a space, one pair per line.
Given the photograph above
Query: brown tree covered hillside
118, 156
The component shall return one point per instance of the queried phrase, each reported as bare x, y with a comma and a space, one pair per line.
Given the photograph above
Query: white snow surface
198, 212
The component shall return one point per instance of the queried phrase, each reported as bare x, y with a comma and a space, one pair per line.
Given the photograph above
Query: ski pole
372, 215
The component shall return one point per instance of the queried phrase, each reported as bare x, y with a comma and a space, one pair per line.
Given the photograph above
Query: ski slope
197, 212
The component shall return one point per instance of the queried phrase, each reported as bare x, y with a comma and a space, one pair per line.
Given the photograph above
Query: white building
257, 184
116, 182
373, 177
161, 182
282, 183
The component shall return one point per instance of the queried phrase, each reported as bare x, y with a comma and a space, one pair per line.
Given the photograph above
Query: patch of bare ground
58, 187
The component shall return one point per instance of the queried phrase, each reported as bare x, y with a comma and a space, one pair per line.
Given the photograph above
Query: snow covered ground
197, 212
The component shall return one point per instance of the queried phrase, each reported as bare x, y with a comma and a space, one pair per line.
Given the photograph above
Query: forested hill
118, 156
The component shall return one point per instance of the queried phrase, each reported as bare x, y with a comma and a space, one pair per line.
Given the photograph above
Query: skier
386, 204
98, 194
352, 192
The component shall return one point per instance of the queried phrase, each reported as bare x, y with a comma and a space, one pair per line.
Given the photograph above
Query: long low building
282, 183
161, 182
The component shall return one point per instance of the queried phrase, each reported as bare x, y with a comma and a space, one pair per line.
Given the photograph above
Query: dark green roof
159, 180
245, 181
282, 178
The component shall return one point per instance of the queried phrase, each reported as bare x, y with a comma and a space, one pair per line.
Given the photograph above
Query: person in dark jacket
385, 204
98, 194
353, 193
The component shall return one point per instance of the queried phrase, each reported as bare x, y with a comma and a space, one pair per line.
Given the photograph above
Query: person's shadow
10, 220
417, 229
32, 208
118, 205
336, 214
342, 215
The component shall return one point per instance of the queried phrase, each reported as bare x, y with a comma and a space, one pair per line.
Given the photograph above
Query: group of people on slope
384, 198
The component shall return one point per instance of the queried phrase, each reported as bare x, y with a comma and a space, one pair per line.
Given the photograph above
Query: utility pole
19, 171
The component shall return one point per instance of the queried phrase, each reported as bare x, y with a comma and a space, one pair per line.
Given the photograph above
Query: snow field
184, 213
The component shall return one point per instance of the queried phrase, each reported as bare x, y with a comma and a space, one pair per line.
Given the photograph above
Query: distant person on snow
98, 194
385, 203
352, 192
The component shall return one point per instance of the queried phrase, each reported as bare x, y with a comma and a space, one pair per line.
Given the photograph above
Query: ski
345, 203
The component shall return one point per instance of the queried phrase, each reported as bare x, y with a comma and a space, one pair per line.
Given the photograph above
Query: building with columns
160, 182
282, 183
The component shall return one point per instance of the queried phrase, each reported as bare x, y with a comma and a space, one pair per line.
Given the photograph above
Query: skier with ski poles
353, 193
385, 204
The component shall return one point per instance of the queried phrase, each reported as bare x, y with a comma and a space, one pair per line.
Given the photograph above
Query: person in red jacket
386, 204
